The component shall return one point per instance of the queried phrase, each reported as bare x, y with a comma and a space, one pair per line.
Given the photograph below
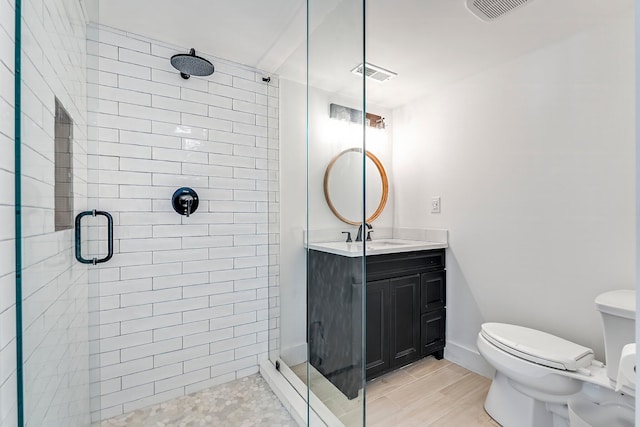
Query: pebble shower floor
246, 402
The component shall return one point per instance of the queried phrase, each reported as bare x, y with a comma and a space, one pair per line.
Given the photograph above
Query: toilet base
510, 408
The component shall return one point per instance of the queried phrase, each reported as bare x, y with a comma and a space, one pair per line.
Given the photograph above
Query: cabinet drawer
432, 333
404, 263
427, 260
435, 259
433, 291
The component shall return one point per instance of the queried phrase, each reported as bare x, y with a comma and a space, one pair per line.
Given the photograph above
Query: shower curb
319, 416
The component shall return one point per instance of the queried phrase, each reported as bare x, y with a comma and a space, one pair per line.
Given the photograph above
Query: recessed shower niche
63, 160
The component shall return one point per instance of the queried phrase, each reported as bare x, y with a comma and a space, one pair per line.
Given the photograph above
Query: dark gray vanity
405, 306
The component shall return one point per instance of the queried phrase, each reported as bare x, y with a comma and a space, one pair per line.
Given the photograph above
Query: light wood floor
428, 392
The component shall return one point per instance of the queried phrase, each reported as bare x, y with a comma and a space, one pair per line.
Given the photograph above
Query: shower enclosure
149, 217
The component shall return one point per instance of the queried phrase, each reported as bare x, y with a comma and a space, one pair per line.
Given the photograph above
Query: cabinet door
377, 328
405, 319
433, 326
434, 294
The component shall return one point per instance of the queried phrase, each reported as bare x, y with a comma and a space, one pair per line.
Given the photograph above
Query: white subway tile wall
8, 400
54, 285
184, 304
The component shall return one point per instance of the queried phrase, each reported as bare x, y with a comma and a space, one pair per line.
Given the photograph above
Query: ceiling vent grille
489, 10
374, 72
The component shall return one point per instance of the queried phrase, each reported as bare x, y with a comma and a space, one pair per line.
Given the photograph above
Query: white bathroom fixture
538, 373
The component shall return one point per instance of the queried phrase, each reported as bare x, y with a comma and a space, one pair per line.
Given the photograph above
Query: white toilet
537, 374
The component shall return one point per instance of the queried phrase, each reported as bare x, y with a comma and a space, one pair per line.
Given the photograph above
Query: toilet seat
537, 346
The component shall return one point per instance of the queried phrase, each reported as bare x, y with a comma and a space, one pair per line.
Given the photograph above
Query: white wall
534, 161
327, 138
183, 304
7, 233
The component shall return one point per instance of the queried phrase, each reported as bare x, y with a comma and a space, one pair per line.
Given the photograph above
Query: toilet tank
618, 311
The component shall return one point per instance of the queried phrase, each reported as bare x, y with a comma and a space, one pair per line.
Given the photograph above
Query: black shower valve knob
185, 201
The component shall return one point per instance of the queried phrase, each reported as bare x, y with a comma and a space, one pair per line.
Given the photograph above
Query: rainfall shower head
191, 65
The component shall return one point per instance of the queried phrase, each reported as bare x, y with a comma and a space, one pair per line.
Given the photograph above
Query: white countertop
375, 247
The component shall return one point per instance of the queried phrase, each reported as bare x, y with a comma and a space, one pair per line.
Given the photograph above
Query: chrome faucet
359, 236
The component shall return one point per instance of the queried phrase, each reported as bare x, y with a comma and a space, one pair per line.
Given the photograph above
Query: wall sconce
352, 115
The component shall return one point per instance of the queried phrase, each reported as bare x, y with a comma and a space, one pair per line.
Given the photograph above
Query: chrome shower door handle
94, 260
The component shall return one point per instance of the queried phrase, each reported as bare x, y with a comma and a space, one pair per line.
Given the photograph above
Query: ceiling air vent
374, 72
489, 10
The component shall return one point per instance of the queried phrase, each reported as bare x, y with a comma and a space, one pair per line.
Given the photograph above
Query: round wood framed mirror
343, 184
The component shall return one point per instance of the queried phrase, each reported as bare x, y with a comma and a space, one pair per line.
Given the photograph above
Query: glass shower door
52, 174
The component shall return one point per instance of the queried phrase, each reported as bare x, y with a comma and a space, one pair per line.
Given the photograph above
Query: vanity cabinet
405, 313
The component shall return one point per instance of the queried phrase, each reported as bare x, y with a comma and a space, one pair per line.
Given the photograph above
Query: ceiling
244, 31
429, 43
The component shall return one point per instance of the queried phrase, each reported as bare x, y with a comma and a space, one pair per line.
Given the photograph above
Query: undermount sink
375, 247
386, 243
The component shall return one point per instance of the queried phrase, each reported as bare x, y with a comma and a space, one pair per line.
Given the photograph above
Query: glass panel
9, 369
273, 168
335, 150
287, 209
327, 368
55, 301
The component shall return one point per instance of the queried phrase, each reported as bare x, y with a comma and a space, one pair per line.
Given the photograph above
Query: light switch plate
435, 204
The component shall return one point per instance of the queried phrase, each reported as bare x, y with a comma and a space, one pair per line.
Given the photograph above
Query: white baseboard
469, 359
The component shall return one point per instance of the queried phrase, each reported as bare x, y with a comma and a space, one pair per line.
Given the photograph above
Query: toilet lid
538, 347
